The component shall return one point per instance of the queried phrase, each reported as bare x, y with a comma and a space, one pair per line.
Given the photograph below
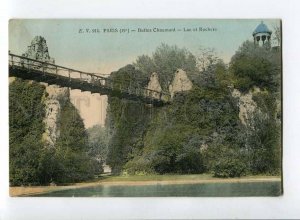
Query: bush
229, 167
138, 166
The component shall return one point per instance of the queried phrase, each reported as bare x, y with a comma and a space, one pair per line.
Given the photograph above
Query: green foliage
201, 130
207, 57
229, 167
69, 160
177, 132
72, 133
98, 138
226, 160
26, 113
31, 161
189, 159
146, 65
253, 71
127, 79
256, 66
264, 140
127, 121
48, 166
165, 61
172, 151
260, 67
72, 147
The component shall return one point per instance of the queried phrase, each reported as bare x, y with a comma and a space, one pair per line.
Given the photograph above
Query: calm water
191, 190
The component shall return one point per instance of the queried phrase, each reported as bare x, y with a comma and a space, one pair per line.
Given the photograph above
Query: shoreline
35, 190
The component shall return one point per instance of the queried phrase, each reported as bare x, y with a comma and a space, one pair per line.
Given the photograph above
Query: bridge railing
51, 68
32, 64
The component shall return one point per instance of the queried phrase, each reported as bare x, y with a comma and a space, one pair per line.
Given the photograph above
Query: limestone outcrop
154, 85
55, 98
38, 50
180, 83
54, 95
246, 105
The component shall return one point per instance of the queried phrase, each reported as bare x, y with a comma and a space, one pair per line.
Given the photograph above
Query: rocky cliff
38, 50
55, 98
154, 85
180, 83
247, 105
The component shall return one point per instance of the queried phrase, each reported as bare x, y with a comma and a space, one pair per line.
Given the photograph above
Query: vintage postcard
145, 107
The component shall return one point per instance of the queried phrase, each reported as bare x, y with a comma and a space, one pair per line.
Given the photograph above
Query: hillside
227, 124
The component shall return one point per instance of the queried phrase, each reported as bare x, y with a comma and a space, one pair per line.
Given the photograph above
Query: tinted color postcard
145, 108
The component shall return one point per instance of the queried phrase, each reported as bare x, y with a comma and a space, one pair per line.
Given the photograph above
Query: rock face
246, 104
55, 97
38, 50
54, 100
180, 83
154, 85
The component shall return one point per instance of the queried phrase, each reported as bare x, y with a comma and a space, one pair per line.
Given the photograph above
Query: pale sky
107, 52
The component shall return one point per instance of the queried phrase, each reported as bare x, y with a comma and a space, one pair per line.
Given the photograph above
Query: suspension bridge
52, 74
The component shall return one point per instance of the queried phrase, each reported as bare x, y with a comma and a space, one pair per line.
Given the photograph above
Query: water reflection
188, 190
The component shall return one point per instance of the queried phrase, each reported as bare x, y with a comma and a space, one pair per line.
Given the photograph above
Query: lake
270, 188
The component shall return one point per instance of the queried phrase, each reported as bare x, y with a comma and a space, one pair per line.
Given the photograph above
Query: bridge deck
30, 69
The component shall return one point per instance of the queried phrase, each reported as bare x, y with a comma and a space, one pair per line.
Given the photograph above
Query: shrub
229, 167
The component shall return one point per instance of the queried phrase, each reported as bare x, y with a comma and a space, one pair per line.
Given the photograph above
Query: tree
165, 61
146, 65
26, 110
263, 137
72, 147
206, 57
256, 66
251, 67
190, 159
98, 138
